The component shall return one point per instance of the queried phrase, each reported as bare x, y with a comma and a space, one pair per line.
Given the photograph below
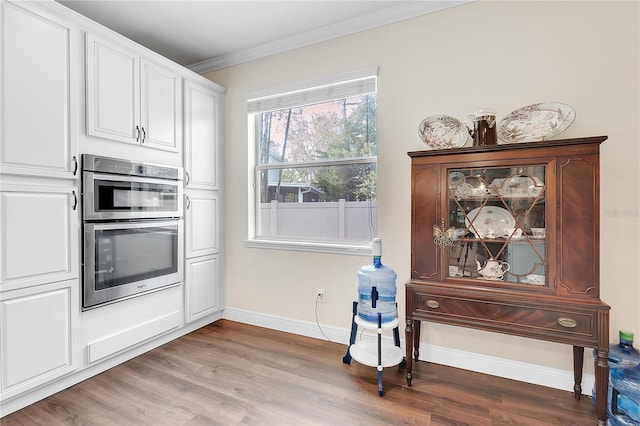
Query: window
315, 164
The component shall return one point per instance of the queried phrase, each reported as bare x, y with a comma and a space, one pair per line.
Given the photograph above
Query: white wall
503, 55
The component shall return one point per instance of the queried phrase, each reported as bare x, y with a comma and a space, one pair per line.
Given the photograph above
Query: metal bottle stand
361, 351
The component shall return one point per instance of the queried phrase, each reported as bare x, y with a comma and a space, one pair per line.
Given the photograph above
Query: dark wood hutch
472, 267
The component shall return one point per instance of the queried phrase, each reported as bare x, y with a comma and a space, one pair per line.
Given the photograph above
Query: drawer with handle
506, 316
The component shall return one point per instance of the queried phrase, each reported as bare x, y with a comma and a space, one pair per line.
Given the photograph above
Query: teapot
491, 269
484, 127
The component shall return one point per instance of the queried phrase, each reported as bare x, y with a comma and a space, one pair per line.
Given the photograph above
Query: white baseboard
501, 367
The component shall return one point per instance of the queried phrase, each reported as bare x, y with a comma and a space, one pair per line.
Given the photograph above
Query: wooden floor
234, 374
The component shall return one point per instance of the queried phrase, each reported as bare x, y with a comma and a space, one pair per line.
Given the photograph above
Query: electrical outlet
320, 295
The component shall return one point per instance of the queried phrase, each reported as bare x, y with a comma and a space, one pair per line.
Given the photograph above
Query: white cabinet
38, 335
39, 234
39, 85
201, 223
203, 287
203, 136
204, 221
131, 99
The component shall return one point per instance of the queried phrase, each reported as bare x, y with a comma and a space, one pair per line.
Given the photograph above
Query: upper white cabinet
130, 99
39, 85
202, 145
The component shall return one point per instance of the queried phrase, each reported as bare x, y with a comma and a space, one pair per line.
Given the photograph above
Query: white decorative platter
481, 220
536, 122
443, 132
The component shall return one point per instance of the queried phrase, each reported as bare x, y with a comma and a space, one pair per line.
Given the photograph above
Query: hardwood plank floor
230, 373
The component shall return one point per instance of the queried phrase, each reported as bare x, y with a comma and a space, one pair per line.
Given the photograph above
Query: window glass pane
334, 204
345, 128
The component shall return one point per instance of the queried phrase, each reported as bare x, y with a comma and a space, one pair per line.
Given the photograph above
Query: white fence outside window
347, 221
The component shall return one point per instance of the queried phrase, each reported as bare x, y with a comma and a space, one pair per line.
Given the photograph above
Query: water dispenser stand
378, 354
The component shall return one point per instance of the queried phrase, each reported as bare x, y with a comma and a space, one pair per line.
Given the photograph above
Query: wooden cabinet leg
409, 343
602, 380
578, 359
416, 341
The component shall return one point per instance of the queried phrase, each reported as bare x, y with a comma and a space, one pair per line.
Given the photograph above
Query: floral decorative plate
517, 186
443, 132
481, 220
536, 122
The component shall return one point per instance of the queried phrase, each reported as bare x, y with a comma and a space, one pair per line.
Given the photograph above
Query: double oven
132, 229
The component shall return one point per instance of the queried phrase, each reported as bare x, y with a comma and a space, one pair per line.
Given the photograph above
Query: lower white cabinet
202, 279
38, 335
39, 234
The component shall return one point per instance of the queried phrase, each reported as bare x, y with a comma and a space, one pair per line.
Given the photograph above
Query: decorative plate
481, 220
536, 122
443, 132
517, 186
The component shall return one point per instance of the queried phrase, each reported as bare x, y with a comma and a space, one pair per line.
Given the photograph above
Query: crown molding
399, 12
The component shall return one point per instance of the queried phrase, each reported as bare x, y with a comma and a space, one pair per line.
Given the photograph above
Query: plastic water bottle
624, 354
623, 357
377, 288
624, 378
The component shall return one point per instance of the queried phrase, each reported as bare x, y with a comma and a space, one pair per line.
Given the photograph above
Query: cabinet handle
186, 178
144, 135
75, 165
75, 200
433, 304
137, 134
567, 322
188, 201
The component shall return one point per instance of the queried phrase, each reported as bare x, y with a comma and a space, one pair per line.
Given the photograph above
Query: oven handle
92, 176
136, 224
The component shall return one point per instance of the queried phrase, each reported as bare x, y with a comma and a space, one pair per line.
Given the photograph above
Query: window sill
309, 246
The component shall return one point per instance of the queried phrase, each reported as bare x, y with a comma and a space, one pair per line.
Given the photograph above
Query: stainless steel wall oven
132, 228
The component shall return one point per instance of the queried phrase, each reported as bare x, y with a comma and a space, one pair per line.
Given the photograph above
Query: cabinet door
113, 92
161, 103
39, 107
201, 223
38, 335
201, 143
578, 197
202, 287
39, 235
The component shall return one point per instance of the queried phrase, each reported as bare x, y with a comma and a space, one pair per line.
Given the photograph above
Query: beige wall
486, 54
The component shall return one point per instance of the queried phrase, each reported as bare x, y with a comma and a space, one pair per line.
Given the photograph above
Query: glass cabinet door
496, 229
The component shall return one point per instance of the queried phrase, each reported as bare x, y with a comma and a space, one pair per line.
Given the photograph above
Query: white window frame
325, 89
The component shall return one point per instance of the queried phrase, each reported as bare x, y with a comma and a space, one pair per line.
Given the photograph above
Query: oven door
125, 259
107, 197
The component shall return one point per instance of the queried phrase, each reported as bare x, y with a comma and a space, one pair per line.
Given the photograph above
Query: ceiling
212, 34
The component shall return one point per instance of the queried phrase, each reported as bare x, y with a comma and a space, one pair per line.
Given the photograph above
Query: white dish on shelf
536, 122
517, 186
488, 219
443, 132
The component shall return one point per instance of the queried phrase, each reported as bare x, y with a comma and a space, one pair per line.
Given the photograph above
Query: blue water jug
624, 354
622, 357
377, 288
624, 379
